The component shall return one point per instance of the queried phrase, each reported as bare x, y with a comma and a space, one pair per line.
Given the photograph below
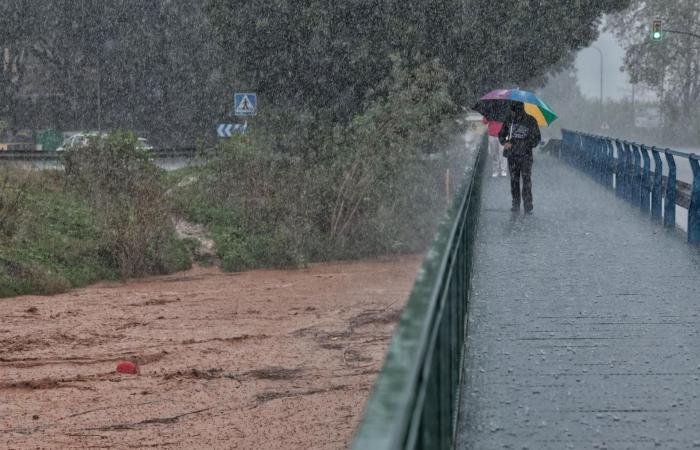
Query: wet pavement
584, 328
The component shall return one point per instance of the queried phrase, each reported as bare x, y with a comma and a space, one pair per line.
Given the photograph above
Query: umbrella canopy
496, 106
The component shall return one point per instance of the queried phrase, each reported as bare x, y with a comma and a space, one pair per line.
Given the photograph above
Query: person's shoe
504, 173
515, 208
494, 175
528, 209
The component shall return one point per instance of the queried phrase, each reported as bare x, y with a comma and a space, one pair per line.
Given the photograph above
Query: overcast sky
615, 83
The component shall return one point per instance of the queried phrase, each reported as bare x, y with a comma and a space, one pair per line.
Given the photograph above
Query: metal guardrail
625, 167
413, 405
37, 155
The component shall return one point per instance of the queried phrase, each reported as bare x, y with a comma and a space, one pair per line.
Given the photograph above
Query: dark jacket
523, 132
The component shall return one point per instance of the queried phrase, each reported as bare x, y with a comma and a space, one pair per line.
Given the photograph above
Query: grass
57, 244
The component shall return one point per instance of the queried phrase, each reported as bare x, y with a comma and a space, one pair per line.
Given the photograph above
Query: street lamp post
600, 52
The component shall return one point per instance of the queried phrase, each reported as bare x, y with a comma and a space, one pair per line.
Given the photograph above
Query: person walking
499, 164
519, 135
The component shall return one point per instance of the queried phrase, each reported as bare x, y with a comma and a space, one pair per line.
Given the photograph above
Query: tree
519, 44
150, 66
332, 56
15, 47
670, 67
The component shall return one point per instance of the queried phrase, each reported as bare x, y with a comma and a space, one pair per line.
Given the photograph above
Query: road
164, 163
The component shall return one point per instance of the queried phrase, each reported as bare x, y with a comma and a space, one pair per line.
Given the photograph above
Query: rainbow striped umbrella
496, 106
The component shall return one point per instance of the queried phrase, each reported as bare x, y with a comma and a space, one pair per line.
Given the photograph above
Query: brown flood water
268, 359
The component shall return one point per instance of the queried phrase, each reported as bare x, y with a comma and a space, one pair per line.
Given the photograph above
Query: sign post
244, 105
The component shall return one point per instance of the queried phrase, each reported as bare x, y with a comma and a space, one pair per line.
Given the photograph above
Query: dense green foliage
149, 66
371, 188
156, 68
128, 200
361, 97
56, 244
349, 154
106, 217
670, 67
331, 57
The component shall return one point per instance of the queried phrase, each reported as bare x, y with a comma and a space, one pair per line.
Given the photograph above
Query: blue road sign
245, 104
225, 130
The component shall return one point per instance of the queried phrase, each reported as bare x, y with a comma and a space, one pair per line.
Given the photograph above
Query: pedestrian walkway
584, 324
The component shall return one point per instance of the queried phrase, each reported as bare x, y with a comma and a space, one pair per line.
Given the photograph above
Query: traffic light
657, 31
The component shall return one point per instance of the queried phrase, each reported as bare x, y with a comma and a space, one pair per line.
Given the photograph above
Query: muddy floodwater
262, 359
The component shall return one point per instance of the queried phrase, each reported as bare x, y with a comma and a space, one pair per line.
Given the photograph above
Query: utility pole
99, 102
600, 52
634, 108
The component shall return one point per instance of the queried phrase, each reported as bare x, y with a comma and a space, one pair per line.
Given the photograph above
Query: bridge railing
414, 402
626, 168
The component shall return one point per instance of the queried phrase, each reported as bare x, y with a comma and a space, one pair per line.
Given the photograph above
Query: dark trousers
521, 167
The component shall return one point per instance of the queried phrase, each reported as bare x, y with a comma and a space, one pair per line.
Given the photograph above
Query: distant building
647, 116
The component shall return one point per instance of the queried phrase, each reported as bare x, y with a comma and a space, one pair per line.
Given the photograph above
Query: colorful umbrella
496, 106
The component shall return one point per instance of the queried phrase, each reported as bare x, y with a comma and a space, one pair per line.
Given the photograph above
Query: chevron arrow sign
225, 130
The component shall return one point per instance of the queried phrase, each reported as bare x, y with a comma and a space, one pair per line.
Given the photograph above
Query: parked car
78, 140
143, 144
81, 139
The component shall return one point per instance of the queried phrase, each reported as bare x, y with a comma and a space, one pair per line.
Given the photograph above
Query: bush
388, 167
244, 195
12, 191
127, 196
56, 244
373, 186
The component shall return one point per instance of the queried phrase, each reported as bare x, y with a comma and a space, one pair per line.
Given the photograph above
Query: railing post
564, 144
603, 160
619, 170
590, 152
656, 186
627, 174
609, 163
579, 152
636, 174
595, 157
599, 159
587, 161
632, 193
646, 179
670, 200
585, 154
694, 208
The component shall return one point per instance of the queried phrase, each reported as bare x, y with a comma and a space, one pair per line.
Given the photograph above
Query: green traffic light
656, 30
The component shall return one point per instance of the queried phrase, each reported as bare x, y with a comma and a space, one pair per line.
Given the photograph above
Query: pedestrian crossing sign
245, 104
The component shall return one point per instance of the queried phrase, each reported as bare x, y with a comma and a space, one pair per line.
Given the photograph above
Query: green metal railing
414, 402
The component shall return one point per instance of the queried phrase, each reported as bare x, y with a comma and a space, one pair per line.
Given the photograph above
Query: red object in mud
127, 367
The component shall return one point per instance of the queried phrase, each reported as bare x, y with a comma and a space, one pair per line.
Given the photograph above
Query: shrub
128, 198
13, 187
375, 185
388, 166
